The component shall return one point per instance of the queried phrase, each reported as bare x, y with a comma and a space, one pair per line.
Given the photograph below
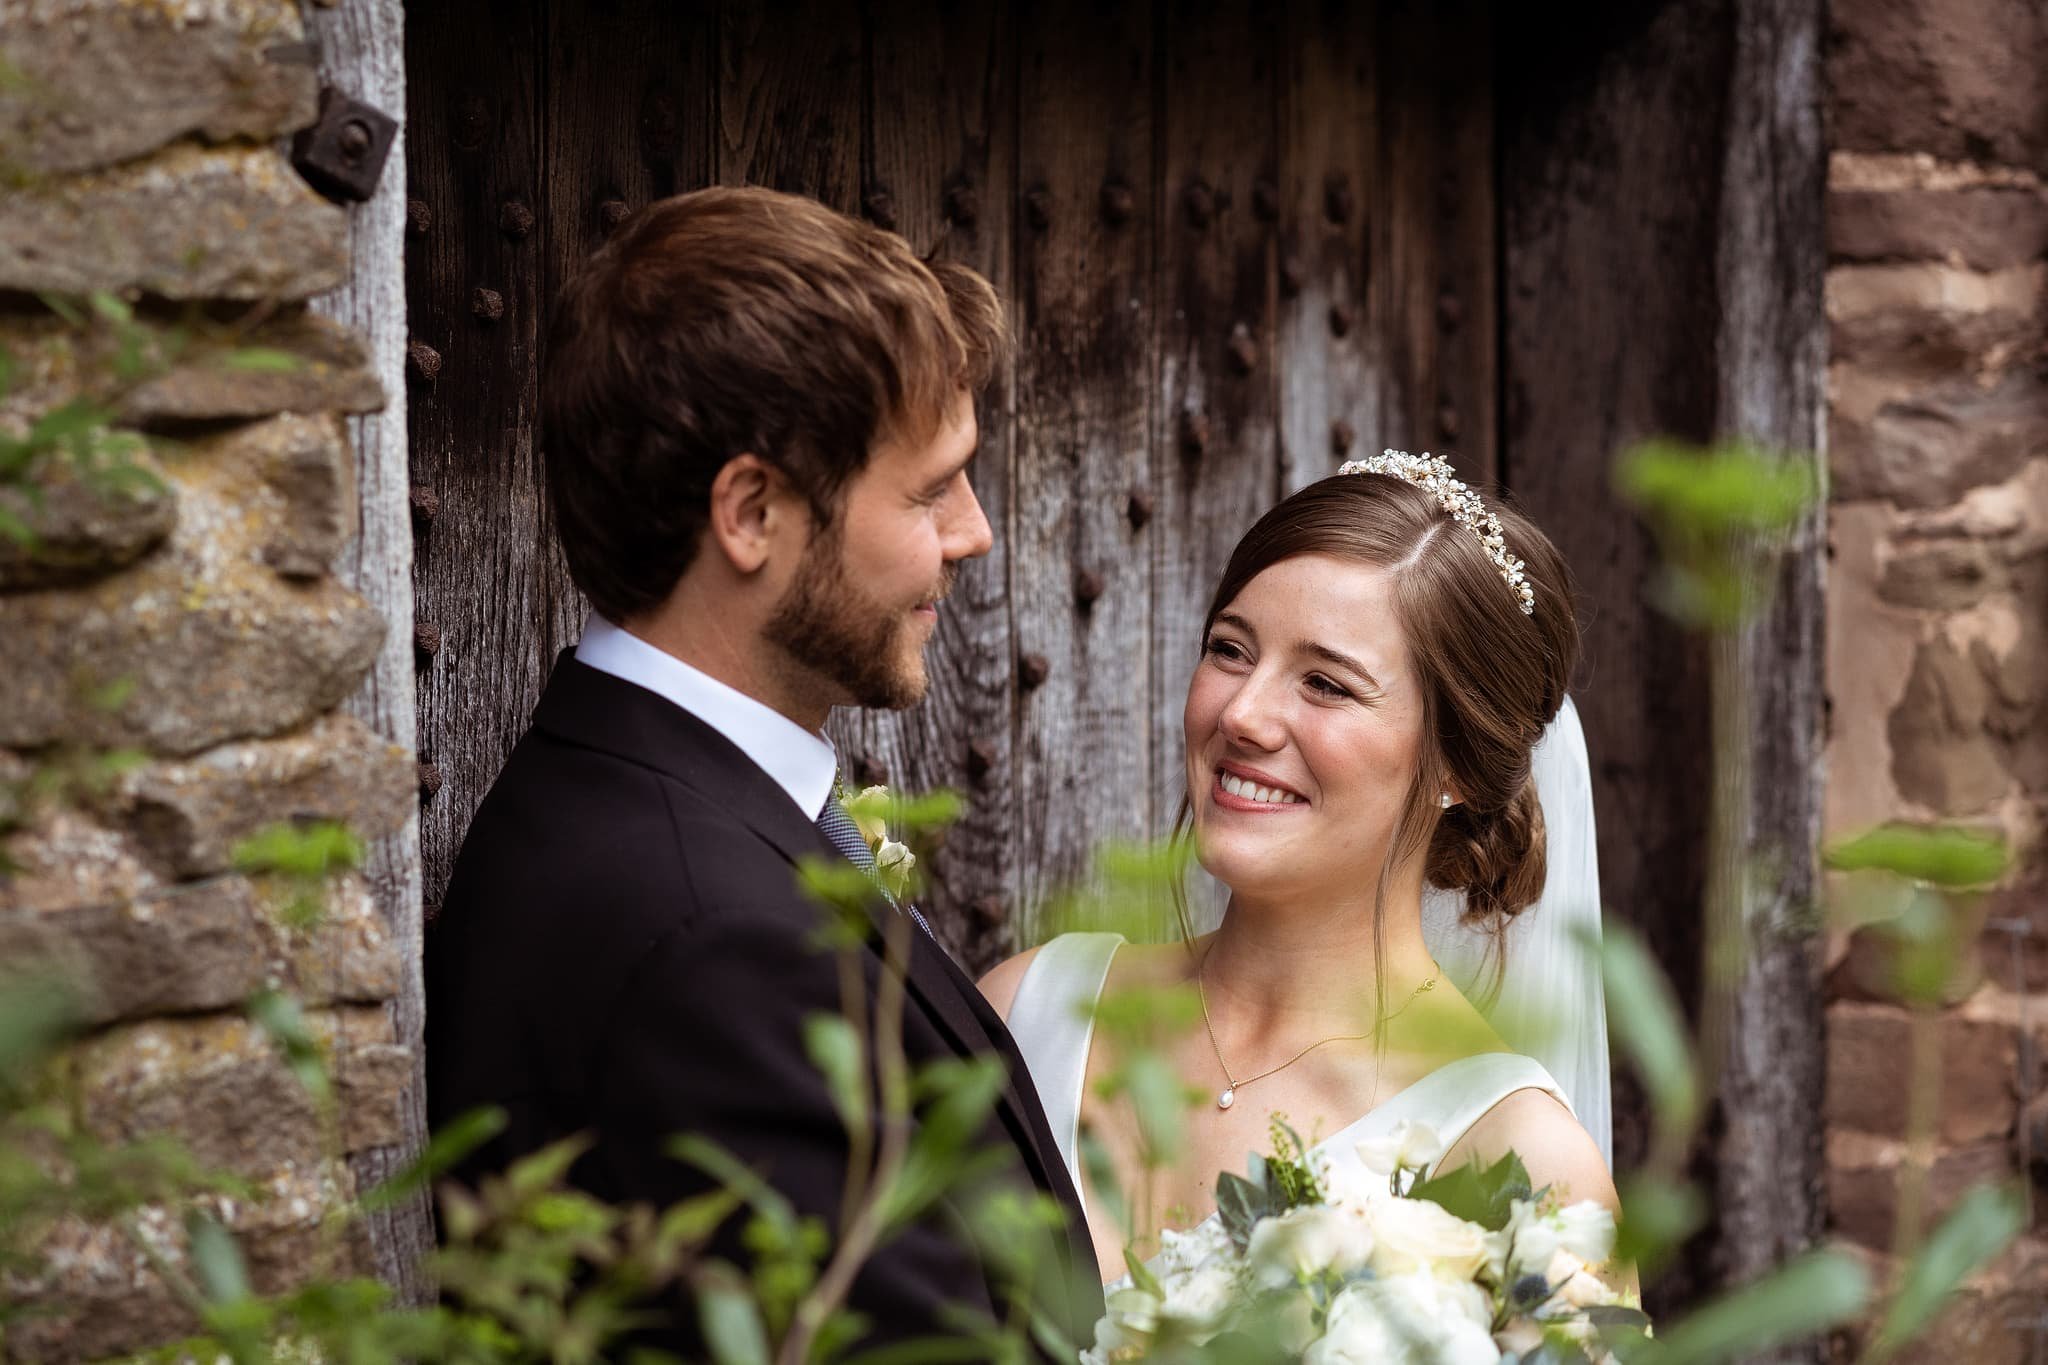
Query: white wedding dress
1052, 1019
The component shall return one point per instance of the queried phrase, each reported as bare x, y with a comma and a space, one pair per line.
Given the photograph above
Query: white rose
1130, 1317
1409, 1145
1415, 1234
893, 864
1305, 1242
1586, 1230
1533, 1237
870, 812
1406, 1320
1201, 1293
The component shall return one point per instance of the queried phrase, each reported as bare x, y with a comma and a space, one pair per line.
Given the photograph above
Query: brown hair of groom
730, 321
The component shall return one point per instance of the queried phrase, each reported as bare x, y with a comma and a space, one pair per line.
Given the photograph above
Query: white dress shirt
802, 762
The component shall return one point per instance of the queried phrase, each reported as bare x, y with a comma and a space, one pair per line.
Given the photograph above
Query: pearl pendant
1227, 1098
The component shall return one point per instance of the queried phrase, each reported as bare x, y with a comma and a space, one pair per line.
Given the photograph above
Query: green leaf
62, 307
216, 1260
1982, 1225
262, 360
111, 307
1643, 1015
310, 850
1241, 1204
1104, 1188
443, 1152
1941, 855
77, 418
1813, 1294
13, 528
1160, 1099
1141, 1275
279, 1016
692, 1221
731, 1320
962, 1094
1656, 1218
835, 1049
733, 1174
37, 1013
1485, 1197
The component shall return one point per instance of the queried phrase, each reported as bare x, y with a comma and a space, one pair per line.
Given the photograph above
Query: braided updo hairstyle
1491, 677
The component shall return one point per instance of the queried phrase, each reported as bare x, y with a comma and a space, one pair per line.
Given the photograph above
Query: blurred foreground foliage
532, 1269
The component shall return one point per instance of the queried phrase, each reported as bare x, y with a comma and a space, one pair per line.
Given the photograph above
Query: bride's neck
1289, 959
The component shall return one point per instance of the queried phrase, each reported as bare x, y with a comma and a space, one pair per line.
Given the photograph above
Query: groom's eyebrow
953, 471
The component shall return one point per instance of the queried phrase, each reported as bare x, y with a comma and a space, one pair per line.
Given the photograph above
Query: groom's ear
752, 503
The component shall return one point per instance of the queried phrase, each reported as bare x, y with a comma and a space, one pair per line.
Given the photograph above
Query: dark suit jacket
623, 952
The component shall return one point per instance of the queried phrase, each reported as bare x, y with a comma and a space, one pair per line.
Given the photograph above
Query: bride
1377, 669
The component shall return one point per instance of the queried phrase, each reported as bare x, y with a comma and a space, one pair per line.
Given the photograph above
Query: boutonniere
894, 862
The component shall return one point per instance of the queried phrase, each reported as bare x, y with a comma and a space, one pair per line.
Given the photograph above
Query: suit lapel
589, 707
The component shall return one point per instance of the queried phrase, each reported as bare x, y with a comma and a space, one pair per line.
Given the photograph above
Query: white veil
1550, 1003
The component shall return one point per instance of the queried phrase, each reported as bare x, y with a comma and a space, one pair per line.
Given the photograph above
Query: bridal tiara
1433, 473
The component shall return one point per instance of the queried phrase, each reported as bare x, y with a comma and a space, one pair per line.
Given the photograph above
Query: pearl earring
1444, 800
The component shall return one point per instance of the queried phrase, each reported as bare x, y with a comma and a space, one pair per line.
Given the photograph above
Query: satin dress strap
1052, 1017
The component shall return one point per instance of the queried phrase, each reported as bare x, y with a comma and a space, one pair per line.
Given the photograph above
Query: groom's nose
967, 534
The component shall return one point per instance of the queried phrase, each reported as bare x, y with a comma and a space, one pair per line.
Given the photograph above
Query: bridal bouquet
1329, 1265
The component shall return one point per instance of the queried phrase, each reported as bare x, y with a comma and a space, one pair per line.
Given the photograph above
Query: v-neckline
1088, 1054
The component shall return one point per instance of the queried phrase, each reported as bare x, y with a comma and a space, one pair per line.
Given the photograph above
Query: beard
828, 624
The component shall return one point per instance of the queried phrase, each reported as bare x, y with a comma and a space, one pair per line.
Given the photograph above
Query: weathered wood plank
630, 105
1215, 456
789, 97
1434, 235
1609, 339
1772, 389
1329, 391
486, 577
940, 170
1085, 384
362, 52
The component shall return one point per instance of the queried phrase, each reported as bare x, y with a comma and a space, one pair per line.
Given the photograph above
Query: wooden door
1240, 241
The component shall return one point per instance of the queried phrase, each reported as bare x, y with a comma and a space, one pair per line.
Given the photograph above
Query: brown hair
1491, 678
729, 321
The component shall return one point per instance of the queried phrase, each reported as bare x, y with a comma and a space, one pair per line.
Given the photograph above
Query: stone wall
1937, 301
173, 643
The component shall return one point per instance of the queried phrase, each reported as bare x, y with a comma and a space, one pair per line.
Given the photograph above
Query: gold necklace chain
1228, 1096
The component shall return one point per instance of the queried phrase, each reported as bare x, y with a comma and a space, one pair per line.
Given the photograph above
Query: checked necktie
845, 836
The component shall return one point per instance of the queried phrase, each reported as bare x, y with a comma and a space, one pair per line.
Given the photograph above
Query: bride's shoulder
999, 985
1554, 1146
1078, 957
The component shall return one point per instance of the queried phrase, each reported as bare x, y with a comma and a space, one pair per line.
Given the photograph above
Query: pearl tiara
1434, 473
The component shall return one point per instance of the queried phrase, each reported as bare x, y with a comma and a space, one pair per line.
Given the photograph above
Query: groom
757, 417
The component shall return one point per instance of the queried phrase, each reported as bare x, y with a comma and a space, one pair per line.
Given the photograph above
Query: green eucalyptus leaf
1104, 1187
111, 307
1982, 1225
216, 1260
1941, 855
835, 1049
731, 1319
63, 307
444, 1151
1485, 1196
733, 1174
1656, 1218
1241, 1205
1813, 1294
1141, 1274
1643, 1016
280, 1016
262, 360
